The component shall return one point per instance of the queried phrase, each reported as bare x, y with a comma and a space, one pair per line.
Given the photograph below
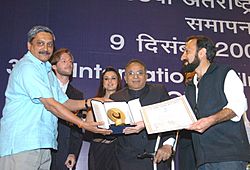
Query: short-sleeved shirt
26, 124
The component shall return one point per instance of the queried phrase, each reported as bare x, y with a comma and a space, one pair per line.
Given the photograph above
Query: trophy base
119, 129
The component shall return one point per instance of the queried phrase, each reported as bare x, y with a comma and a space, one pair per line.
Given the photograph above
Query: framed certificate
173, 114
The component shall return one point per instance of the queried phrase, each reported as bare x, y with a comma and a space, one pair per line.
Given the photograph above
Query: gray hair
36, 29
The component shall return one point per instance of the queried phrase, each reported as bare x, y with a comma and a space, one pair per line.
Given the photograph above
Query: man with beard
69, 136
217, 98
34, 100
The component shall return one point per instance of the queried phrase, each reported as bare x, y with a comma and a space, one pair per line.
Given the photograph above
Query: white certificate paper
173, 114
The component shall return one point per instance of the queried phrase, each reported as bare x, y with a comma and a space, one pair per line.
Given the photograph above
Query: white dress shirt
234, 91
63, 86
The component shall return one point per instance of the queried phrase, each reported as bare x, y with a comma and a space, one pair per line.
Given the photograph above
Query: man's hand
136, 129
201, 125
204, 123
70, 161
163, 153
102, 99
92, 126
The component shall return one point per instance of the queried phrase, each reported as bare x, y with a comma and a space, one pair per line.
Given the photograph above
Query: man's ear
54, 67
28, 45
202, 52
125, 78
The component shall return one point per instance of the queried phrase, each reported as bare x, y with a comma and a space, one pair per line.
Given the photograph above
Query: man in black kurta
216, 95
136, 140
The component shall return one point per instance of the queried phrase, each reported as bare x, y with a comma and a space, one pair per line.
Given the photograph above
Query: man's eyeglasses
138, 73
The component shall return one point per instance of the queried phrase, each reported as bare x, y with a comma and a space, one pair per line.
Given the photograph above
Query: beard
190, 67
65, 72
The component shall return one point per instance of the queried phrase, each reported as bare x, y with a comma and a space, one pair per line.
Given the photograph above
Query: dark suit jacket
69, 136
129, 146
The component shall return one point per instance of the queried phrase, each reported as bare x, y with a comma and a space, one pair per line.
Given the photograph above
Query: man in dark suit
69, 136
136, 142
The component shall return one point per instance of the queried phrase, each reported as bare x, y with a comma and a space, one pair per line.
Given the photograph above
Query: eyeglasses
138, 73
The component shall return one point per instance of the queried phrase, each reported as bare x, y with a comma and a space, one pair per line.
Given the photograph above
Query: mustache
44, 52
185, 62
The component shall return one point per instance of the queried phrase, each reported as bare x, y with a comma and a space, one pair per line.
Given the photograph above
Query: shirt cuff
170, 142
239, 111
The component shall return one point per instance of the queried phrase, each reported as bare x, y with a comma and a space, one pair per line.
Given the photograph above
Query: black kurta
129, 146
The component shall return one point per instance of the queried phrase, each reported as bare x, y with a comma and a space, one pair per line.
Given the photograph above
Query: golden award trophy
117, 116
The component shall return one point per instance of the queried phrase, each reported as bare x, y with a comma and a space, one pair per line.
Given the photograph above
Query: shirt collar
63, 86
195, 80
47, 64
138, 93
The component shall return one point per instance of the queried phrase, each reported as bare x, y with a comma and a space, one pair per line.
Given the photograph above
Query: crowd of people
44, 115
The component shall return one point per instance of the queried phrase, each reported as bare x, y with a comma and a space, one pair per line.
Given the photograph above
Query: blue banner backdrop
102, 33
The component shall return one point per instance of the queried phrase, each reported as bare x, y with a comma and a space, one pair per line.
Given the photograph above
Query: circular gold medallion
117, 116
